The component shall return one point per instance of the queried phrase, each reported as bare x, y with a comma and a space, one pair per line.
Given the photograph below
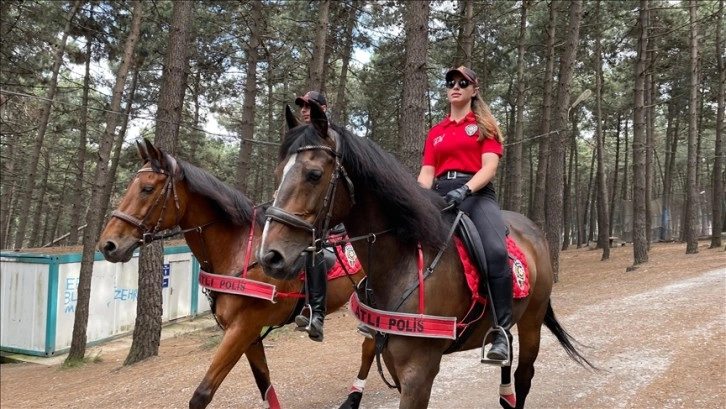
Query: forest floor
658, 335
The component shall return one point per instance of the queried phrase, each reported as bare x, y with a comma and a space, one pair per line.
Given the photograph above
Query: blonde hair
488, 127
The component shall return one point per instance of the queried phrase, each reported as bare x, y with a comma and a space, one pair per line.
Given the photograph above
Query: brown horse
216, 220
328, 176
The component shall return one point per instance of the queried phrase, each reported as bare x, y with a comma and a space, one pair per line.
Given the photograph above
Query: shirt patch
438, 139
471, 129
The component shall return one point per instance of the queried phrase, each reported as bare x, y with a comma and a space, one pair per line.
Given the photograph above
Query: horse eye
147, 189
314, 175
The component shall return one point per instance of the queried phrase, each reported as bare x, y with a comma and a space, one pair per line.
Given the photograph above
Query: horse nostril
273, 258
109, 247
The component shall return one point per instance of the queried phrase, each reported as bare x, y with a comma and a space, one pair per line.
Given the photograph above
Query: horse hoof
353, 401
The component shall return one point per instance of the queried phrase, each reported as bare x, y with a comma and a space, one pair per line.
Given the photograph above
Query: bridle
295, 220
169, 190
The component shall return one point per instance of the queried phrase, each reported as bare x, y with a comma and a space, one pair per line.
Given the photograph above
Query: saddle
470, 238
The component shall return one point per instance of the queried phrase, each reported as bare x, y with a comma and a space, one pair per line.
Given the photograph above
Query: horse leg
416, 362
368, 351
529, 342
234, 343
507, 398
258, 363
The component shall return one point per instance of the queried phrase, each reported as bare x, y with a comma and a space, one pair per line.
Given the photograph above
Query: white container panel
24, 305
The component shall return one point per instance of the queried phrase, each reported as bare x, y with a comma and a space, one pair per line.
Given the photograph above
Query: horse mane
231, 203
416, 211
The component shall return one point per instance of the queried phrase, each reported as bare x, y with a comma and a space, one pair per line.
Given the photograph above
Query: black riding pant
483, 210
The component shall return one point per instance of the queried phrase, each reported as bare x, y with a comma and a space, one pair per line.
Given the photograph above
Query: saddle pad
520, 271
345, 253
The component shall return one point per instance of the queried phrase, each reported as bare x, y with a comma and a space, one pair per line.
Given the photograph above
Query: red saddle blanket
517, 260
351, 265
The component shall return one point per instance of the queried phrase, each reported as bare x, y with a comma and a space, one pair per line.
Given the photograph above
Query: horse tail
566, 340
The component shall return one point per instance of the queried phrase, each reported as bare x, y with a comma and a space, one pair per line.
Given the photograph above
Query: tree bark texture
513, 200
538, 207
147, 327
555, 167
603, 219
465, 43
691, 221
718, 164
90, 234
247, 127
412, 128
316, 80
640, 243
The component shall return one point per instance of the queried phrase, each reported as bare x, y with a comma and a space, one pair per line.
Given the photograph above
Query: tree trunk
118, 144
465, 42
603, 219
615, 173
640, 242
316, 81
90, 235
555, 167
341, 105
26, 192
538, 208
717, 196
513, 200
80, 159
412, 126
247, 126
147, 328
691, 221
567, 199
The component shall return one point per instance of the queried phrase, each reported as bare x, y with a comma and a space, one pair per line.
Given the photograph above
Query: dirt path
659, 335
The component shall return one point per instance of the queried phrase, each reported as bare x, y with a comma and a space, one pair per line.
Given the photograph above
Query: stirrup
365, 330
304, 323
496, 362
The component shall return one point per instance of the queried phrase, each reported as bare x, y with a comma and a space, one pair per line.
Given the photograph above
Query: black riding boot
317, 284
502, 301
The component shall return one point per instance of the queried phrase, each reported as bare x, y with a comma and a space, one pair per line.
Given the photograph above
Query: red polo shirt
453, 145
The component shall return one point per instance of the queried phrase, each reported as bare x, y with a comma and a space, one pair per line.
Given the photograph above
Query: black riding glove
458, 195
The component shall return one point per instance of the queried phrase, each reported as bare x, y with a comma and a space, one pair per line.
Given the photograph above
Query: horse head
309, 200
151, 204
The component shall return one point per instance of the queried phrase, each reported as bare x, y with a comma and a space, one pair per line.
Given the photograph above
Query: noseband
294, 219
168, 189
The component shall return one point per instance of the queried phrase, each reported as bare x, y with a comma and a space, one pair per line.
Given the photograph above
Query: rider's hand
458, 195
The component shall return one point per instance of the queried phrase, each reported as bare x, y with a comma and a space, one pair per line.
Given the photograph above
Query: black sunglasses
463, 83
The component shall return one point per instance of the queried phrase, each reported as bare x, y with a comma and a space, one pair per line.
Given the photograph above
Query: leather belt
454, 174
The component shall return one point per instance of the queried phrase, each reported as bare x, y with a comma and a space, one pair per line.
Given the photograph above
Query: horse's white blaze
263, 243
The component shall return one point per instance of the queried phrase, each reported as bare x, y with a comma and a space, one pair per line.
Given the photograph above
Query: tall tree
26, 193
247, 127
718, 194
341, 103
147, 327
640, 242
513, 199
465, 43
412, 126
603, 219
538, 205
95, 217
691, 222
555, 167
316, 80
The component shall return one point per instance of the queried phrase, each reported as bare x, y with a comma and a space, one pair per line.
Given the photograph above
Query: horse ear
143, 153
156, 156
318, 119
291, 119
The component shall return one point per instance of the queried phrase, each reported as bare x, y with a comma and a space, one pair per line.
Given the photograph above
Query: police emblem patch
518, 270
471, 129
350, 255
